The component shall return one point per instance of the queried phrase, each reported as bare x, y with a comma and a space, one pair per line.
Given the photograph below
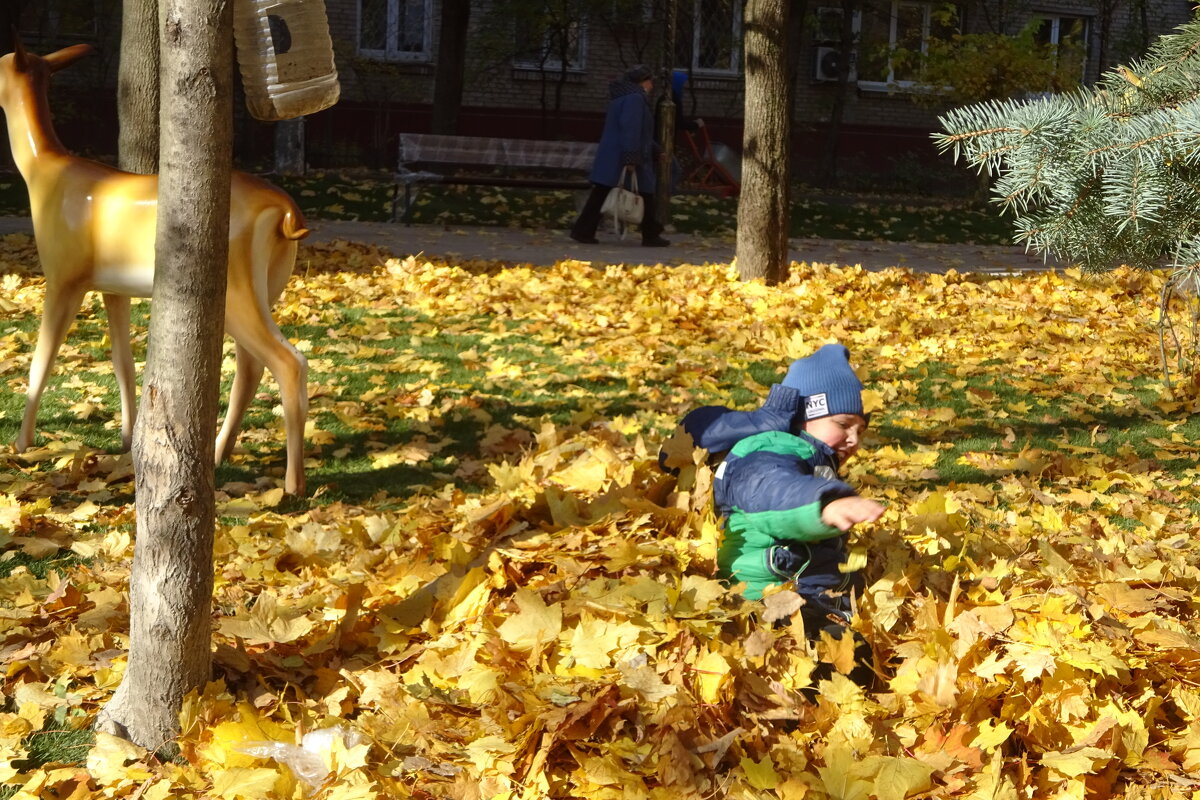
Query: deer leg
252, 328
117, 308
247, 375
58, 312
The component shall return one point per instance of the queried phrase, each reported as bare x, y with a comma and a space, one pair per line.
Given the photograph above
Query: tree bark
170, 594
289, 147
827, 171
764, 208
795, 34
666, 115
137, 87
451, 67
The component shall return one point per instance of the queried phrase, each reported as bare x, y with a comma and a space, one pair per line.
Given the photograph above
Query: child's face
842, 432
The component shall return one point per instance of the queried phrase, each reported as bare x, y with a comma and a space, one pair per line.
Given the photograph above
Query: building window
62, 19
395, 30
551, 47
1067, 35
710, 36
891, 45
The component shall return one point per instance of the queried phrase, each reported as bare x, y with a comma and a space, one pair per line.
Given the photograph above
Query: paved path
522, 246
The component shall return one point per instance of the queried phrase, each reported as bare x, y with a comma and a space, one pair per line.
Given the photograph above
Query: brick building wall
502, 99
383, 96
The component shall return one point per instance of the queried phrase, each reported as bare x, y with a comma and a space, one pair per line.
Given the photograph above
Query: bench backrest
427, 148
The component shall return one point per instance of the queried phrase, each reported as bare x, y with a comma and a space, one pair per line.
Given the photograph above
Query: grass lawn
368, 196
848, 216
493, 582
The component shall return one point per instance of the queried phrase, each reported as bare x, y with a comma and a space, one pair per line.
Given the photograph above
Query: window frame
43, 21
1055, 18
553, 63
737, 16
392, 51
890, 83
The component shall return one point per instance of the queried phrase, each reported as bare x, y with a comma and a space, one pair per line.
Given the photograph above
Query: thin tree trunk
289, 147
171, 583
827, 172
451, 66
764, 208
666, 115
795, 34
137, 87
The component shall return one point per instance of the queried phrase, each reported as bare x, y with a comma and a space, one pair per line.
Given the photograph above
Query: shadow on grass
54, 745
1048, 435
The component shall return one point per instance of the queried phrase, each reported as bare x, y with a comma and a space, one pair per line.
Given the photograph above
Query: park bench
481, 161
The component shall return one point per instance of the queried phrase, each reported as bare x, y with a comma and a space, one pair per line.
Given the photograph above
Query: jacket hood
622, 87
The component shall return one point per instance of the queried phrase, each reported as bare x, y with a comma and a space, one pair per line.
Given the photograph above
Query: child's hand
845, 512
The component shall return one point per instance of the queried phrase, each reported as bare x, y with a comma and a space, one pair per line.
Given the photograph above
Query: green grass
40, 567
844, 216
368, 197
366, 382
55, 746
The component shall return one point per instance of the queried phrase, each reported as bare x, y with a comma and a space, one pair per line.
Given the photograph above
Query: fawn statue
95, 226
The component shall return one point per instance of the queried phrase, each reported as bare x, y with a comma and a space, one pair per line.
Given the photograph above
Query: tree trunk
170, 594
795, 35
666, 115
764, 209
451, 66
137, 87
827, 171
289, 147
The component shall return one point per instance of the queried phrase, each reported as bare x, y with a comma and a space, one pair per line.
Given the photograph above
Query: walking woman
627, 141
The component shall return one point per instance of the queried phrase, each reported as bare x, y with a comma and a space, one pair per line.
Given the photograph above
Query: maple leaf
245, 783
534, 624
713, 672
1078, 762
991, 734
594, 641
895, 778
109, 760
647, 682
760, 774
680, 451
267, 623
781, 605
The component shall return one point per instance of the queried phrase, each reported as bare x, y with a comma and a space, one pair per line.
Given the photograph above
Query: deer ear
20, 57
68, 56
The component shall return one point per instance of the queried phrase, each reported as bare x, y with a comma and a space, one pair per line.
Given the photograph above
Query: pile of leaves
538, 616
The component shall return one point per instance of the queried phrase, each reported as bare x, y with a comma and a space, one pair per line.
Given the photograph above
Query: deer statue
95, 228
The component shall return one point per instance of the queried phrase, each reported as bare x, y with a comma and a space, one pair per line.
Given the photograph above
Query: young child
786, 511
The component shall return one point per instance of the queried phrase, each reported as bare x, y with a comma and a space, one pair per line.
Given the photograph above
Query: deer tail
293, 226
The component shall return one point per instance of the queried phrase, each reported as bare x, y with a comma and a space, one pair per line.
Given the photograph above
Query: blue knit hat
827, 382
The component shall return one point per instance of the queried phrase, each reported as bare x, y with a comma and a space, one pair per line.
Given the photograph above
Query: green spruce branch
1100, 177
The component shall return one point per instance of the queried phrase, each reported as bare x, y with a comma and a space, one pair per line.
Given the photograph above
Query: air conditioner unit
827, 64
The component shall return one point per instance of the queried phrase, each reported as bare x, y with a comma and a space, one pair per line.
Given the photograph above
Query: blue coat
627, 139
770, 489
717, 428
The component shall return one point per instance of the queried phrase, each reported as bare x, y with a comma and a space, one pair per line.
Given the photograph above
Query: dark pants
589, 218
827, 600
